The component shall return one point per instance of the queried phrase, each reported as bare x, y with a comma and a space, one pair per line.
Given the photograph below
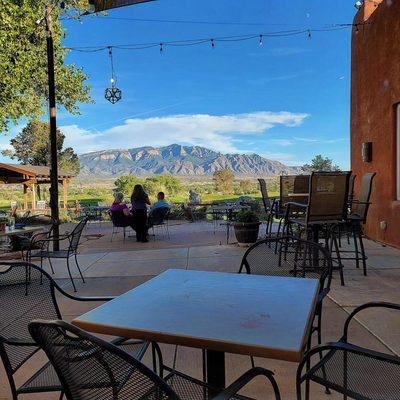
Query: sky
287, 99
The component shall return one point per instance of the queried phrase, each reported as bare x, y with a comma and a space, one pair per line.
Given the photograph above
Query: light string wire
215, 39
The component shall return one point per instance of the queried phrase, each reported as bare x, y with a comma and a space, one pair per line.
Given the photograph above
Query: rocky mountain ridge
177, 160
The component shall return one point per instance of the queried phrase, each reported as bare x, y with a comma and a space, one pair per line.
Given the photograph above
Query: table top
21, 231
238, 313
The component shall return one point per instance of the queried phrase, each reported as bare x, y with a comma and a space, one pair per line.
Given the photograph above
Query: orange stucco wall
375, 92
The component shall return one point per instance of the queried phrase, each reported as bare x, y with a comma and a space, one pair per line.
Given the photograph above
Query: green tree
32, 146
125, 184
246, 186
169, 184
23, 63
223, 180
320, 164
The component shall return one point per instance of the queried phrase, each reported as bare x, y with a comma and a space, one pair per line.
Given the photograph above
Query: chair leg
70, 275
124, 229
356, 247
51, 266
363, 256
79, 268
334, 244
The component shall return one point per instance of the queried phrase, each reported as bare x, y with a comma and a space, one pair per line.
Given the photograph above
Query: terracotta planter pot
247, 232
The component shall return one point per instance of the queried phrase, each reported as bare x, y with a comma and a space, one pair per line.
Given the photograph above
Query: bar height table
254, 315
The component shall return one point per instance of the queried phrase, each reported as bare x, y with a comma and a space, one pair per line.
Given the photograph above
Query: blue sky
287, 100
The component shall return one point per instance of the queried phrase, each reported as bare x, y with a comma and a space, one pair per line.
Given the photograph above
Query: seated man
159, 210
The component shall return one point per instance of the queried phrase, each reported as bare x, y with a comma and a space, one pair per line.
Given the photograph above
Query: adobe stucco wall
375, 91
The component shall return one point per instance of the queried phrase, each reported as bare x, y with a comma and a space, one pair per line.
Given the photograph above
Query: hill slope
176, 160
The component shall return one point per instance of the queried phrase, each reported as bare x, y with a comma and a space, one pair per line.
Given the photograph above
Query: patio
112, 268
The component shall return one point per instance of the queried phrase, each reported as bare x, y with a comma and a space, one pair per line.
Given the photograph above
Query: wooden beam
33, 192
65, 192
25, 197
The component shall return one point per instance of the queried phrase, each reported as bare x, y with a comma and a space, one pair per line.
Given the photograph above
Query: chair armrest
247, 377
18, 342
82, 298
294, 203
345, 347
360, 202
372, 304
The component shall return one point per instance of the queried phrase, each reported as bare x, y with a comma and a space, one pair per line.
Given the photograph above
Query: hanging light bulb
261, 42
112, 94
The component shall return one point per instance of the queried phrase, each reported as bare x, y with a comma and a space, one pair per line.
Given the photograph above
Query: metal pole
53, 128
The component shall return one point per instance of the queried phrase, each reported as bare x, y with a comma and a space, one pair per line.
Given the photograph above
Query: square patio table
253, 315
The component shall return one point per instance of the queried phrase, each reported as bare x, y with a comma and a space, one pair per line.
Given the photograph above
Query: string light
214, 40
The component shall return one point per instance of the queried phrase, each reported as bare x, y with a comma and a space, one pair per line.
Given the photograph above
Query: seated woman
120, 214
139, 201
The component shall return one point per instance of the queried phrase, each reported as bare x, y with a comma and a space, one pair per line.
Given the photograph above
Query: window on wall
398, 151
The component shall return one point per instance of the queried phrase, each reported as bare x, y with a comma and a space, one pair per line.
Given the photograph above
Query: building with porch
375, 113
31, 177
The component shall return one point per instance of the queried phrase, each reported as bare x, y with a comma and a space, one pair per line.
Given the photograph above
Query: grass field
103, 193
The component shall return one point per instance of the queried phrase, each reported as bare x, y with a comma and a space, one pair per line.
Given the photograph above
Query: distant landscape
189, 161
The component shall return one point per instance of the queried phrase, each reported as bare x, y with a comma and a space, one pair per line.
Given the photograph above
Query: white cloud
320, 141
216, 132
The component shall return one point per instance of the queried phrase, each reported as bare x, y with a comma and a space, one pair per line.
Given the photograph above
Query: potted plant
246, 227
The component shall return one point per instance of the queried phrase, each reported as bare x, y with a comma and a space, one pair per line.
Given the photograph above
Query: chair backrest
350, 195
159, 215
289, 257
328, 196
117, 218
361, 208
41, 204
90, 368
264, 194
75, 235
291, 185
26, 293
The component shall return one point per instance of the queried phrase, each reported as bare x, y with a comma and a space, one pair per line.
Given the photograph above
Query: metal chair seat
383, 376
56, 254
44, 380
188, 388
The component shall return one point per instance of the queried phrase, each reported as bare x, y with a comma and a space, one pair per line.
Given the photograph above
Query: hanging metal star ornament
112, 94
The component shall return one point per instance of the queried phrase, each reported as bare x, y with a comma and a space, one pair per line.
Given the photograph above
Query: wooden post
53, 127
33, 190
65, 192
25, 197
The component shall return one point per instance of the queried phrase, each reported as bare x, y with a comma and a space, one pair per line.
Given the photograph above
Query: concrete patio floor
112, 268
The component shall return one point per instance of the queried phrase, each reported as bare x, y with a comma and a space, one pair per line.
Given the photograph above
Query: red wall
375, 91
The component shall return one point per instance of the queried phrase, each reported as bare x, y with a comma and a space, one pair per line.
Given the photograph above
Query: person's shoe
145, 240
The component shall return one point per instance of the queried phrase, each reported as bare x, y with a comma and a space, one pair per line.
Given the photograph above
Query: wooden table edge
160, 337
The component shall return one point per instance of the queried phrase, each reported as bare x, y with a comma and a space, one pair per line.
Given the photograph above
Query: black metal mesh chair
292, 257
90, 368
158, 219
356, 372
71, 249
355, 220
27, 292
118, 220
325, 210
270, 206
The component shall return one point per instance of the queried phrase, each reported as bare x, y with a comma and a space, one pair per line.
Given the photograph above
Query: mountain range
177, 160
